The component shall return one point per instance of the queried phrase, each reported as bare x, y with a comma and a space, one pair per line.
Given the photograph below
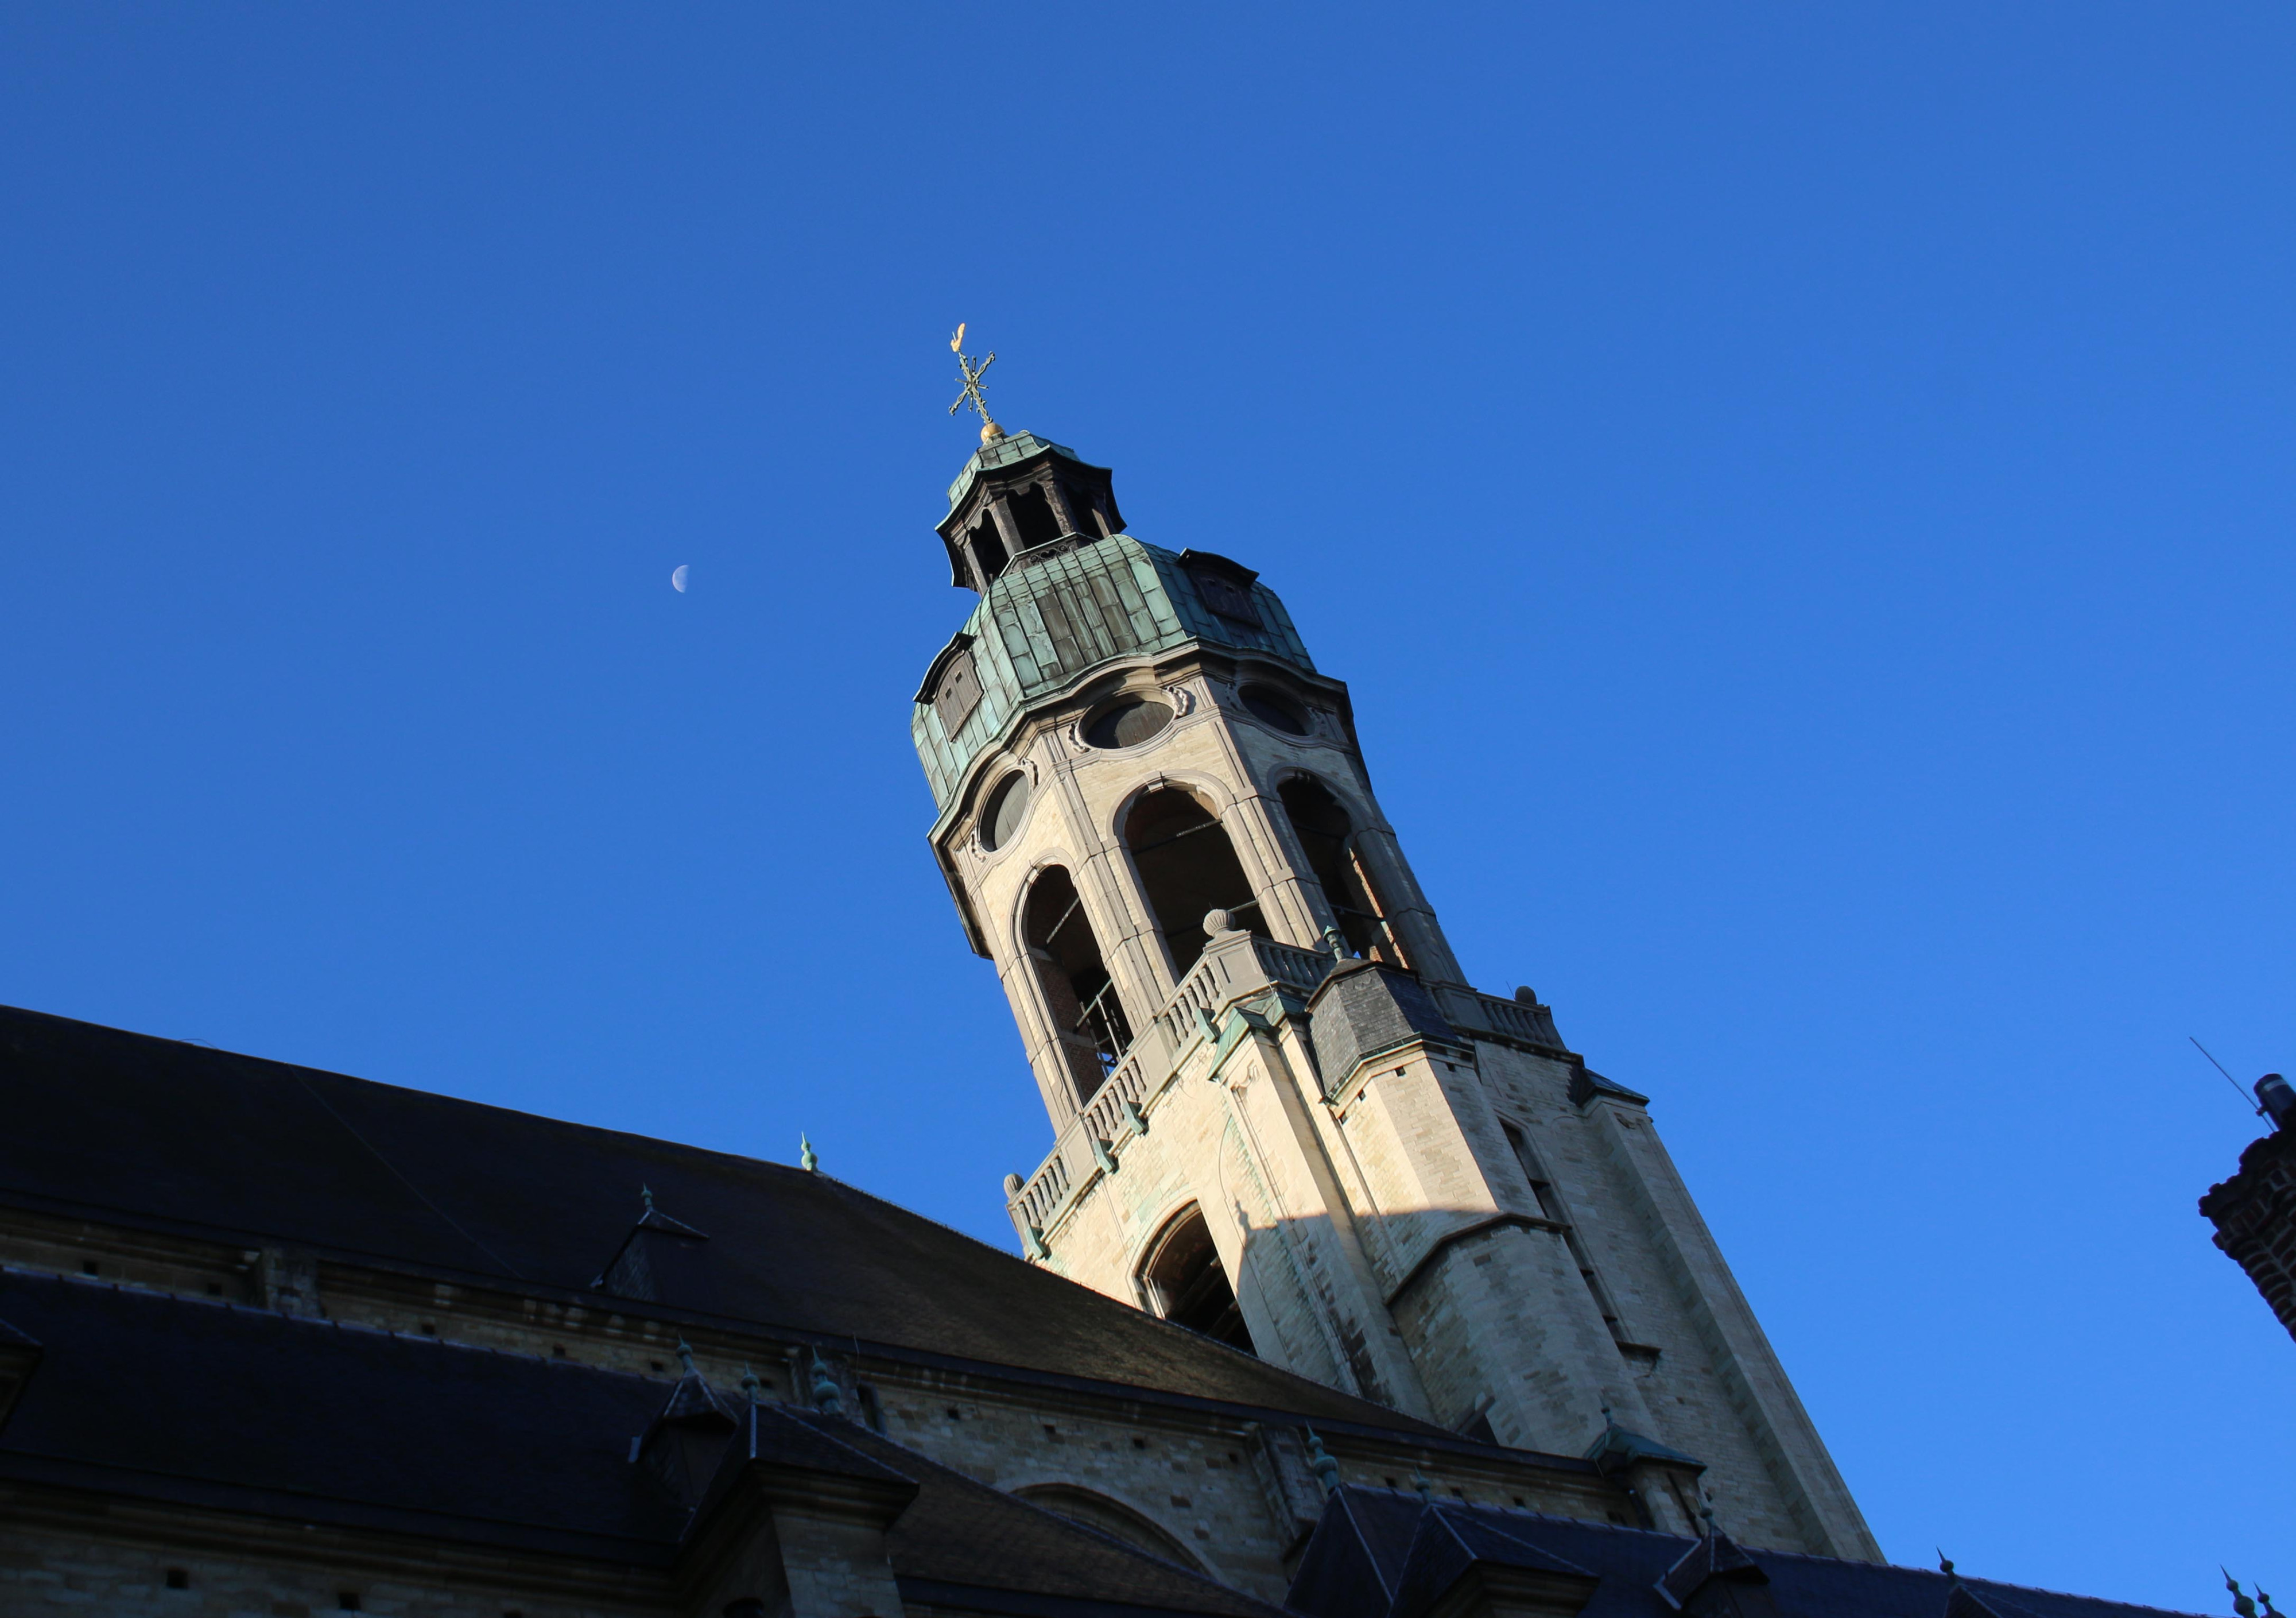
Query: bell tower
1280, 1115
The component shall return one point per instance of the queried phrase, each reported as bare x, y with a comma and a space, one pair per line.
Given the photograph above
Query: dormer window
957, 695
1224, 586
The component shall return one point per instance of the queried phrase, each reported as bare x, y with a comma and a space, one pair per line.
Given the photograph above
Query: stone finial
826, 1398
1525, 995
1945, 1566
1012, 1185
1335, 943
1216, 922
1320, 1462
686, 1355
752, 1384
1426, 1490
807, 1159
645, 1196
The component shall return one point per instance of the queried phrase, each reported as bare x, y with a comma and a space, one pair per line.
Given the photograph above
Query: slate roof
1385, 1553
212, 1404
1364, 1008
133, 1129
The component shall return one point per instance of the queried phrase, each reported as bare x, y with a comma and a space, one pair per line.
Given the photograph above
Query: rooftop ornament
807, 1159
827, 1397
972, 374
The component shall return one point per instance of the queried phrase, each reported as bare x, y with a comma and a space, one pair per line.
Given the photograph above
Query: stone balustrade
1234, 965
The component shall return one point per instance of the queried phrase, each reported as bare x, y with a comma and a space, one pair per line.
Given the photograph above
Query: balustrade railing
1226, 973
1292, 966
1222, 975
1522, 1021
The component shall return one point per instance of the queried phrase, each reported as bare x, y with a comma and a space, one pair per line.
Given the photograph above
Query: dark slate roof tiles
150, 1396
1381, 1529
139, 1130
203, 1402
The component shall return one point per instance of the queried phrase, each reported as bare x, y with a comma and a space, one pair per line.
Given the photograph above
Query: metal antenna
2245, 1097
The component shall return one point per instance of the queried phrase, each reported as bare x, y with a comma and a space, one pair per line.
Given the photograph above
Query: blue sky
1801, 496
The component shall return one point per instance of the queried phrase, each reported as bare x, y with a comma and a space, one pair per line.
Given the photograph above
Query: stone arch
1217, 795
1185, 864
1113, 1518
1180, 1276
1054, 934
1328, 829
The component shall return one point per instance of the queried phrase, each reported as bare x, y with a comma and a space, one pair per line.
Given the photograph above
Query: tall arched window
1183, 1282
1086, 1014
1187, 866
1327, 837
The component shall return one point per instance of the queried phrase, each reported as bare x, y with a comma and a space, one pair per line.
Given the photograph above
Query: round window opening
1272, 707
1001, 817
1127, 722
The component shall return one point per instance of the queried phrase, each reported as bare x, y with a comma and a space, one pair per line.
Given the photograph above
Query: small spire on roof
750, 1381
1320, 1462
645, 1195
2240, 1604
1945, 1566
1419, 1482
686, 1355
807, 1159
826, 1398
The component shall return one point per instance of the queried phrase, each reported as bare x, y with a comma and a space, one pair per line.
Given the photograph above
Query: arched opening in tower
1032, 515
1087, 1016
1183, 1282
1187, 868
987, 549
1327, 837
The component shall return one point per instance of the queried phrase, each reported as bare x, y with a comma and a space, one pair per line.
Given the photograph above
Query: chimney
2278, 1098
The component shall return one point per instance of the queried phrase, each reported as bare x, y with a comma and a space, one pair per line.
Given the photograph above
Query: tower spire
989, 431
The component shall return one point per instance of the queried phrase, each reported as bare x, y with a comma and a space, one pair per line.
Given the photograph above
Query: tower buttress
1281, 1115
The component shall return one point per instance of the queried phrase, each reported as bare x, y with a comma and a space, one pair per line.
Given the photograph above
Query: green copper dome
1053, 618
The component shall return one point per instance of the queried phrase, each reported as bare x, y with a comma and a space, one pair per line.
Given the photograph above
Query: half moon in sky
677, 578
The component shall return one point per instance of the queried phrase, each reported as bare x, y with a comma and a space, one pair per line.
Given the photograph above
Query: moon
677, 578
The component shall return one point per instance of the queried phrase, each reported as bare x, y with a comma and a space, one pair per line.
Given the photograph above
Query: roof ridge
232, 1306
298, 1069
1444, 1508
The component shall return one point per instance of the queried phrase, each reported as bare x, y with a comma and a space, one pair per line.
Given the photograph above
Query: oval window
1001, 817
1272, 707
1127, 723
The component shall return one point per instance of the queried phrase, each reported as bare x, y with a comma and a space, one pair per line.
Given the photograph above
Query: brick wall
2255, 1215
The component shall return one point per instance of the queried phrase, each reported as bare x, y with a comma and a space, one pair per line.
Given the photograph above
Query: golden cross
989, 431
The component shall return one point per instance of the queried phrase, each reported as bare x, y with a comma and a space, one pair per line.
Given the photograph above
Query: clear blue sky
1802, 497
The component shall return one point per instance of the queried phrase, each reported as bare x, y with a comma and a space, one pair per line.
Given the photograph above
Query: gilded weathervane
989, 431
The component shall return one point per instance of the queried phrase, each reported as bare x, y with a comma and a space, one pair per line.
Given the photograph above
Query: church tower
1282, 1116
